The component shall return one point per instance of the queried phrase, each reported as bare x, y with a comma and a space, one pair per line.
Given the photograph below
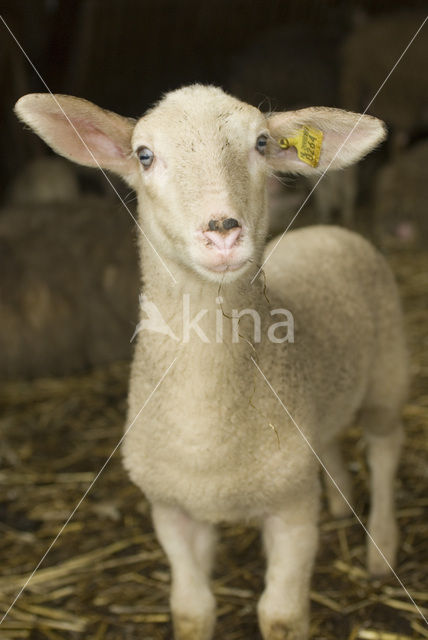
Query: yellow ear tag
308, 143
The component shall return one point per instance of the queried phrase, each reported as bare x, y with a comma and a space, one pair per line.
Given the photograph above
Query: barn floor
106, 578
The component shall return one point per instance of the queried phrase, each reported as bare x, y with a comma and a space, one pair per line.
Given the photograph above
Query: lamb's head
201, 179
199, 160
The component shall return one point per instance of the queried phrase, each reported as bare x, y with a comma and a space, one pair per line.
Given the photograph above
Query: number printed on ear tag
308, 142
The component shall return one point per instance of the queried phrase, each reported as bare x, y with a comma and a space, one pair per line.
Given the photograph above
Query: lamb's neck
186, 296
161, 284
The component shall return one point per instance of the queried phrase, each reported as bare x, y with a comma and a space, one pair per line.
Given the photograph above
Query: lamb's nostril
213, 225
230, 223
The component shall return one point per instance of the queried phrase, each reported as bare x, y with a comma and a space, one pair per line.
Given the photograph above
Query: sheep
44, 180
52, 180
398, 98
402, 102
69, 287
224, 429
401, 196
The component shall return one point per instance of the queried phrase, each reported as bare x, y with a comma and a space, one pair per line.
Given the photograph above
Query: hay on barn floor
105, 577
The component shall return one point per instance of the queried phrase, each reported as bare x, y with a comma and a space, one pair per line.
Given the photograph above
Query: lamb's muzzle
221, 244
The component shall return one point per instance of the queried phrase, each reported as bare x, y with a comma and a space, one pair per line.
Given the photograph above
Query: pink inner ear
101, 145
97, 139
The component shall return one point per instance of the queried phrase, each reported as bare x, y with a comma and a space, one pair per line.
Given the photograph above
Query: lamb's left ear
307, 140
56, 118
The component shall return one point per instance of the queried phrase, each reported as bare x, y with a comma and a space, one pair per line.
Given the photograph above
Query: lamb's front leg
290, 539
189, 546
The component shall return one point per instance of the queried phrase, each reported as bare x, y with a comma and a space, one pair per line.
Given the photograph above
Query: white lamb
221, 428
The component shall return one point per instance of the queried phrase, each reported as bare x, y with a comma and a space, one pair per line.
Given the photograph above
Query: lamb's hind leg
189, 546
384, 434
335, 469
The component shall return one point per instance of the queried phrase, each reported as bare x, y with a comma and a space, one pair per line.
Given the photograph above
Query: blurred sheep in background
401, 199
369, 55
69, 287
44, 180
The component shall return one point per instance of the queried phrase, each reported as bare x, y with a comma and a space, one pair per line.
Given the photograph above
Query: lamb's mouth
220, 268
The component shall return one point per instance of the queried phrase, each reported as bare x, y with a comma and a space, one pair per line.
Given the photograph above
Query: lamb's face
202, 180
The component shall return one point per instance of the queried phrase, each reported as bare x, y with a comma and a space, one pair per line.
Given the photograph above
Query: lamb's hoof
278, 627
277, 621
376, 565
382, 565
190, 628
283, 631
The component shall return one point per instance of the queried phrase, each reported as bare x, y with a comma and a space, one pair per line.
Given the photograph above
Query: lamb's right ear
80, 131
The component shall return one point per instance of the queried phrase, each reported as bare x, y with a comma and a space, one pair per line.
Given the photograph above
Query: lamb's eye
145, 156
261, 144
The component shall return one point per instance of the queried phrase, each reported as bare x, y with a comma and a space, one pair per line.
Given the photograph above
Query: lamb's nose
223, 241
218, 225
